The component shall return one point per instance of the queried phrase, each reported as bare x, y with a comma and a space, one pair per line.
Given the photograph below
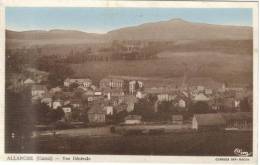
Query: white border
161, 4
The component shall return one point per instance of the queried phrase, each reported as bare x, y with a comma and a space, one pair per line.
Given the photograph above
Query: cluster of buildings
115, 94
223, 121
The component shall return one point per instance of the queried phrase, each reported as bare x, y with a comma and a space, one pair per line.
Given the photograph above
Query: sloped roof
111, 79
29, 81
78, 79
201, 97
133, 117
210, 119
39, 87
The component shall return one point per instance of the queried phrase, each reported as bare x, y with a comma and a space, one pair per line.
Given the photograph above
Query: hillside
172, 30
51, 34
177, 29
221, 52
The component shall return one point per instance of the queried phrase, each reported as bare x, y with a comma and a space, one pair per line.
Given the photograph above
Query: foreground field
222, 67
199, 143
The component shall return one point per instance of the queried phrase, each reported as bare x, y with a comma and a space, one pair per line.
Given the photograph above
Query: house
97, 114
38, 91
47, 100
238, 120
98, 93
121, 107
133, 119
28, 82
230, 103
139, 95
90, 99
111, 83
89, 93
135, 85
67, 95
172, 97
56, 89
75, 103
208, 91
182, 103
66, 102
15, 81
78, 91
114, 92
83, 88
215, 104
84, 82
130, 101
237, 104
200, 88
109, 110
235, 87
37, 75
163, 97
93, 87
177, 119
209, 122
57, 103
67, 112
200, 97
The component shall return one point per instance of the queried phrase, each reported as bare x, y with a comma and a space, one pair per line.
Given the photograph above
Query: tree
126, 86
152, 98
244, 105
73, 86
144, 108
165, 110
40, 112
19, 120
199, 107
136, 85
55, 115
75, 115
58, 74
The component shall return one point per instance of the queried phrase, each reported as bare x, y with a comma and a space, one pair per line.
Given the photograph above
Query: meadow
220, 66
192, 144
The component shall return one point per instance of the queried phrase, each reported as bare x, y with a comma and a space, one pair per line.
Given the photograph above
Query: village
140, 104
156, 81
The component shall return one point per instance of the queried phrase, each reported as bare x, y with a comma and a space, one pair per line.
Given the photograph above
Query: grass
193, 144
222, 67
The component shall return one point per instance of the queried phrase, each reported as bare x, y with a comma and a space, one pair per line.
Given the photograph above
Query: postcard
129, 81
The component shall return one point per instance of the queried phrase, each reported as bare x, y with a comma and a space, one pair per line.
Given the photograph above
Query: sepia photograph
158, 81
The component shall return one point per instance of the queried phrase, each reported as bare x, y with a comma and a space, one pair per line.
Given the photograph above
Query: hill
51, 34
172, 30
178, 29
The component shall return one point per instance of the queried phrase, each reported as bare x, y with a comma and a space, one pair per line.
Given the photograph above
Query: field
222, 67
198, 143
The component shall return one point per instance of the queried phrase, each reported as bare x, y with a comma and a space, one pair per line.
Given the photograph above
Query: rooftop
39, 87
133, 117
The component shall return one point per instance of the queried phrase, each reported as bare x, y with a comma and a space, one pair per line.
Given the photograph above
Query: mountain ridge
169, 30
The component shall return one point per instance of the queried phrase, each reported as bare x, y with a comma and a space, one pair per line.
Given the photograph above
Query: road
96, 131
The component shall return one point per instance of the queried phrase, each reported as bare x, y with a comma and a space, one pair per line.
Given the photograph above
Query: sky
102, 20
